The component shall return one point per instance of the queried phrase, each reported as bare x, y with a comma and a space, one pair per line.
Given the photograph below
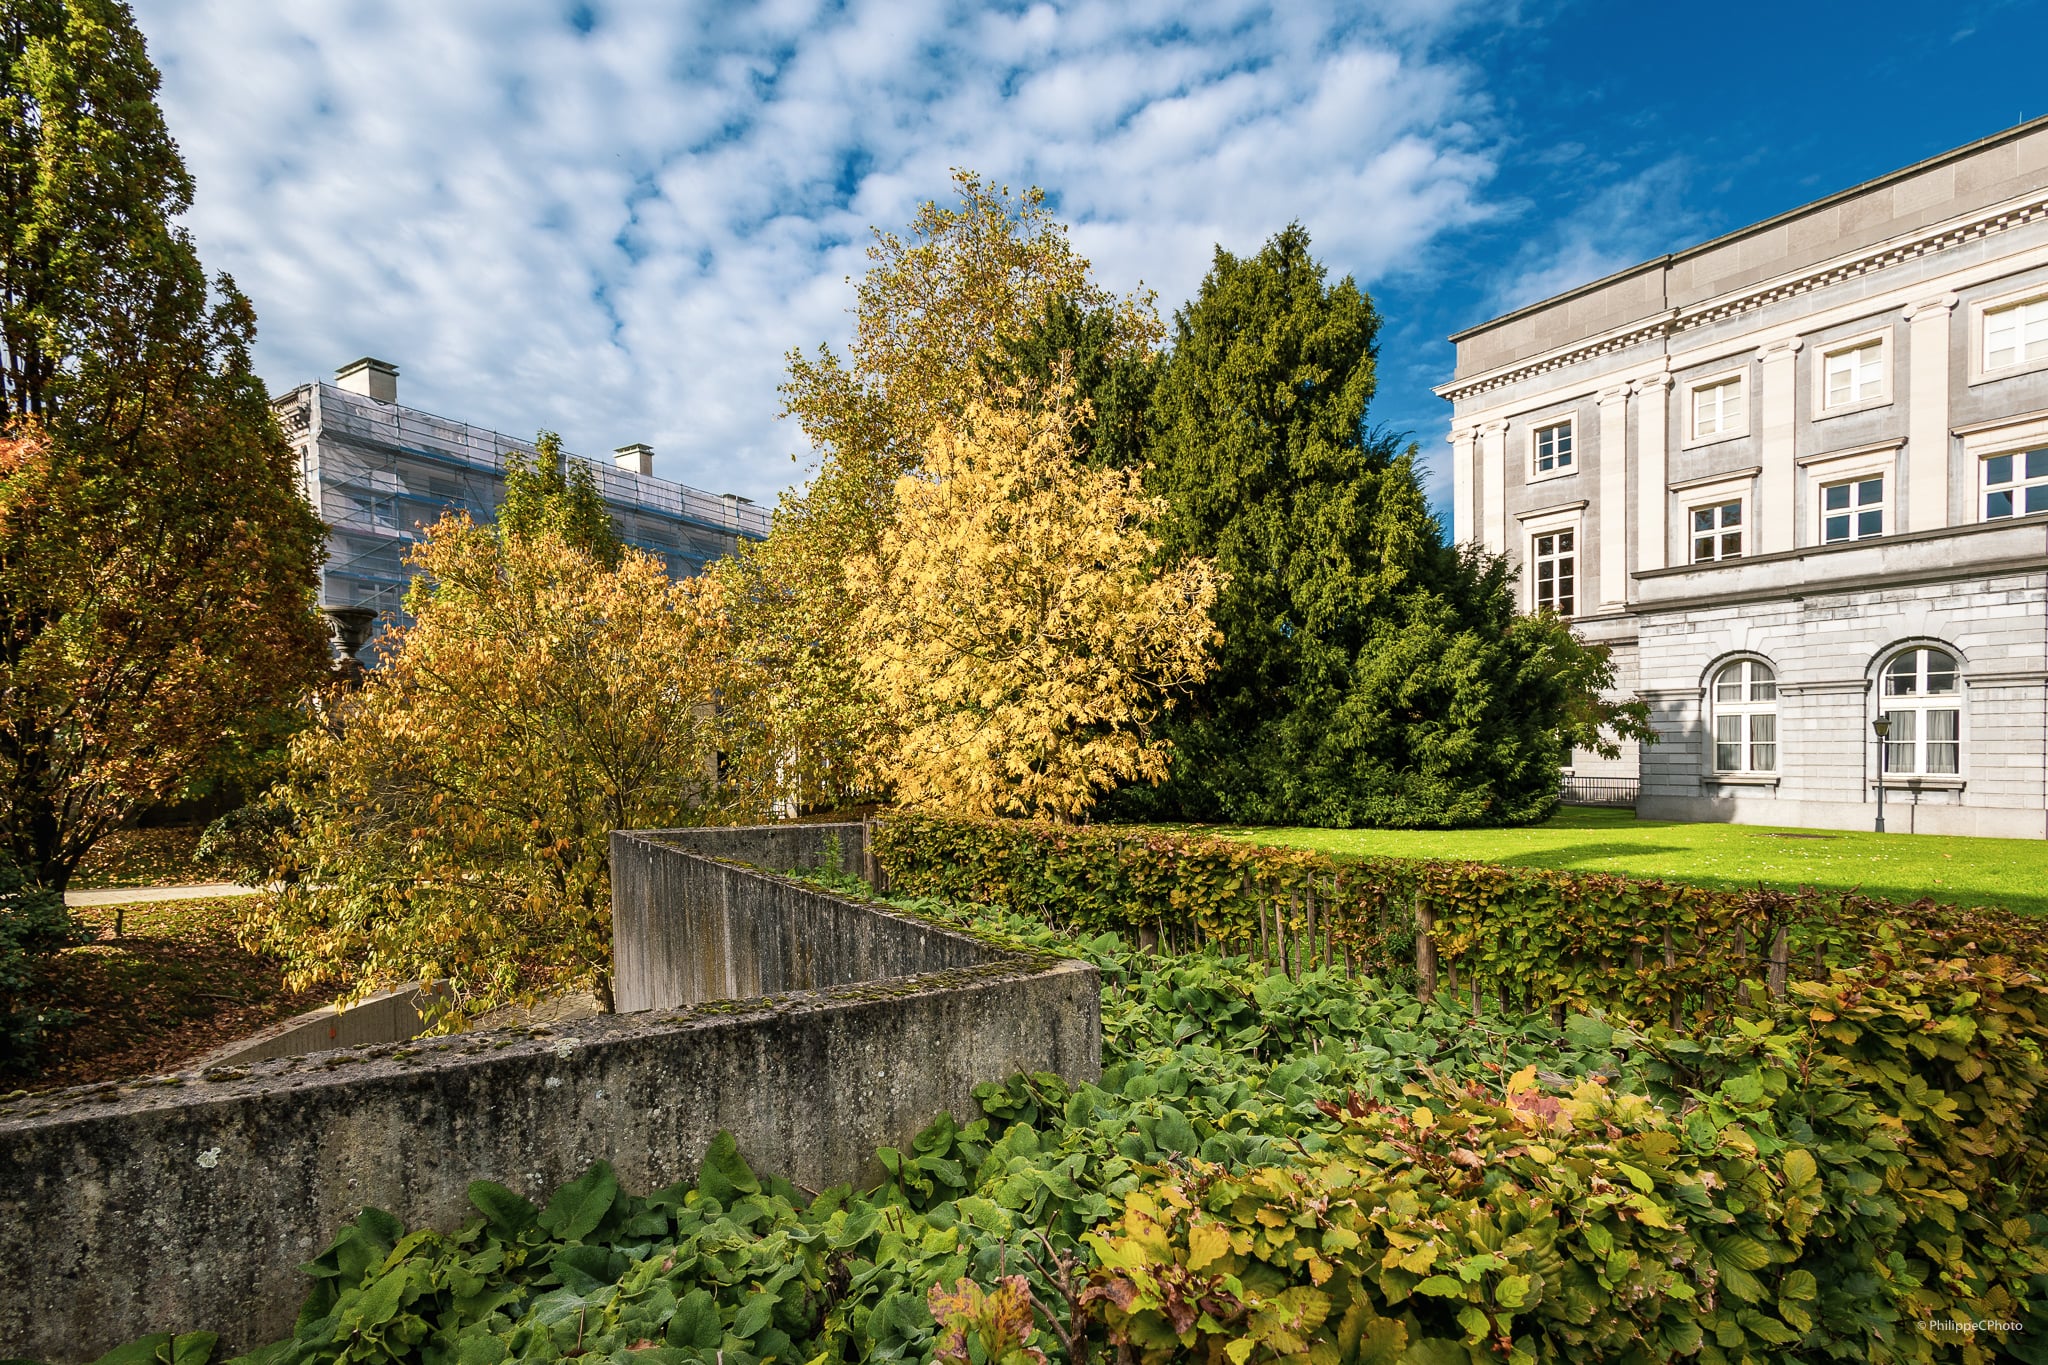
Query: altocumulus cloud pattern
614, 219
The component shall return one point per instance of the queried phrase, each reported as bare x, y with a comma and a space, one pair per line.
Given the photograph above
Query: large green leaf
579, 1206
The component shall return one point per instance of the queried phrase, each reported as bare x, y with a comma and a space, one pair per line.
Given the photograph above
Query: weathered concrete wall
686, 929
387, 1017
773, 848
187, 1204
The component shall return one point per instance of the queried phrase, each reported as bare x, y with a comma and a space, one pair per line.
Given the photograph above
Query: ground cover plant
1308, 1168
165, 855
2012, 873
175, 985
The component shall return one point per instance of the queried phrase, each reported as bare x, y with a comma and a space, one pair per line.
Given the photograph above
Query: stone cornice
1677, 321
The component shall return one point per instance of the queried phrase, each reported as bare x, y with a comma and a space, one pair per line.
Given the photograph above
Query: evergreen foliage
34, 926
156, 557
1091, 347
1368, 673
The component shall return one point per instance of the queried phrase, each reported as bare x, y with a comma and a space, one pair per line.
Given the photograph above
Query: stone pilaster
1463, 477
1925, 506
1493, 466
1613, 506
1777, 486
1653, 430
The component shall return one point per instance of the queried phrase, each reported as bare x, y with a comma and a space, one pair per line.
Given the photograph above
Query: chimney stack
374, 379
637, 458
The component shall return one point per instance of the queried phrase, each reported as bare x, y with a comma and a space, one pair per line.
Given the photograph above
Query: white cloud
619, 233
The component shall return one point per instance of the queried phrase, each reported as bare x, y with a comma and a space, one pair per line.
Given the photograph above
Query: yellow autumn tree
1019, 634
932, 306
451, 818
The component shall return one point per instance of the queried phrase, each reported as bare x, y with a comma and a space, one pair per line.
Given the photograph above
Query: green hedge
1513, 937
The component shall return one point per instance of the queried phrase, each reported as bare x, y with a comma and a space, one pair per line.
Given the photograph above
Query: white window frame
2019, 485
1694, 387
1911, 714
1570, 521
1569, 421
1850, 466
1981, 312
1856, 509
1824, 358
1754, 708
1740, 501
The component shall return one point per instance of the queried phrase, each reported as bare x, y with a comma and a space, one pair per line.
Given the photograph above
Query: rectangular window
1763, 742
1717, 409
1900, 745
1728, 743
1944, 742
2016, 334
1937, 753
1553, 448
1855, 375
1853, 510
2015, 485
1556, 574
1717, 532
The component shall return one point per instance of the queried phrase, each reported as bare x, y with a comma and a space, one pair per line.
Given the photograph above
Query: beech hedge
1516, 938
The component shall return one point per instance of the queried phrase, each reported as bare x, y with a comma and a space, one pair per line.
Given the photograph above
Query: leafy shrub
1273, 1166
1790, 1209
34, 926
1524, 937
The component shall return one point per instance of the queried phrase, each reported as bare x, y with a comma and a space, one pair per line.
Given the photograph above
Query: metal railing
1599, 791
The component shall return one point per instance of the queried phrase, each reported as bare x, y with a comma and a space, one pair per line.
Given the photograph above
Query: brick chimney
375, 379
637, 458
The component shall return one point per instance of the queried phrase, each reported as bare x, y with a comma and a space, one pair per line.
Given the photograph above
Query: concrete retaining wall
686, 929
189, 1203
390, 1016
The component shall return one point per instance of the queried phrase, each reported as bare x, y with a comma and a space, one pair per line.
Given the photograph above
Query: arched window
1746, 718
1924, 704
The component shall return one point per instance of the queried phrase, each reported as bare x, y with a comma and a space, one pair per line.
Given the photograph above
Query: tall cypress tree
156, 557
1369, 674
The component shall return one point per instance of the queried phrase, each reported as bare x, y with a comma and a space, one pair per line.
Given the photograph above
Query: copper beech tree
452, 817
1019, 635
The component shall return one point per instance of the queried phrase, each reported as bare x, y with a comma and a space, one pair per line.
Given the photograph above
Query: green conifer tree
1368, 674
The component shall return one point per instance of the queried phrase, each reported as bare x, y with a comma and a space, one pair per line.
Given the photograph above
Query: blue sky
614, 219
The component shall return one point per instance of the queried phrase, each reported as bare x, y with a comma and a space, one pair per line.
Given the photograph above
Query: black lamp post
1883, 726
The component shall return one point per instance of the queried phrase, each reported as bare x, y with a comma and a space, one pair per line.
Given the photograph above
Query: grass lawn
175, 986
1905, 867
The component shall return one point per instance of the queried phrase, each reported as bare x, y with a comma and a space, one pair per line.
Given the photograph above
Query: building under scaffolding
379, 474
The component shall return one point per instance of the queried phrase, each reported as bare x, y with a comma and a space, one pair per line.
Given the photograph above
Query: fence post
1742, 969
1670, 963
1265, 951
1781, 964
1425, 948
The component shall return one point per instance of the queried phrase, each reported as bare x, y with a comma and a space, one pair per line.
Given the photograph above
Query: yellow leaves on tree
931, 307
454, 815
1018, 633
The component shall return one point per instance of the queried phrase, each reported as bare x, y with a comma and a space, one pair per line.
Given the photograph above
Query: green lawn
2009, 872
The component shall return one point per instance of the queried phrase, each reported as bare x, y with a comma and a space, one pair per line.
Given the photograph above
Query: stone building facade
378, 472
1797, 478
